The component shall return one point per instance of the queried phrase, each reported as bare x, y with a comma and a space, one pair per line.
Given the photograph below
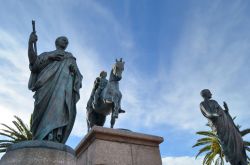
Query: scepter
34, 31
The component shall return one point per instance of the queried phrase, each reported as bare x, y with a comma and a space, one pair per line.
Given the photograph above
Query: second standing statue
222, 123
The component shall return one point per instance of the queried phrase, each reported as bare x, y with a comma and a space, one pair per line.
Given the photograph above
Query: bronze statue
56, 80
99, 84
105, 97
227, 132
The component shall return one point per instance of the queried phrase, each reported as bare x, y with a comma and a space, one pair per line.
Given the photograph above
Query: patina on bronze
222, 123
56, 80
105, 97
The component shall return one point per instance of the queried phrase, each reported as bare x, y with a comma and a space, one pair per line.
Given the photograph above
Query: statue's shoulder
214, 104
214, 101
201, 103
210, 102
69, 54
97, 80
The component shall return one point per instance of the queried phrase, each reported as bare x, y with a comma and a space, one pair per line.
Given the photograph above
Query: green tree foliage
21, 132
212, 149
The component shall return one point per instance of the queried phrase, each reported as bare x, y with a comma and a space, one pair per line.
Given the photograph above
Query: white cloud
212, 52
182, 160
15, 98
13, 79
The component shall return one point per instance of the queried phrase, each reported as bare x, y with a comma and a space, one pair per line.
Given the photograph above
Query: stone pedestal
39, 153
105, 146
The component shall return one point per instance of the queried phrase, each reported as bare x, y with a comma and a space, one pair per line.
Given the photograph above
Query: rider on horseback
105, 97
100, 83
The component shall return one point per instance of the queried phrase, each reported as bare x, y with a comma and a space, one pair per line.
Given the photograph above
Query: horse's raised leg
91, 118
112, 121
115, 113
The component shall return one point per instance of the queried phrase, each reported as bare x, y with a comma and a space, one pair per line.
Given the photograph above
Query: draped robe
230, 138
56, 94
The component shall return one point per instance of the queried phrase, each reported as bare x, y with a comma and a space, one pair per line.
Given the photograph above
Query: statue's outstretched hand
225, 106
33, 38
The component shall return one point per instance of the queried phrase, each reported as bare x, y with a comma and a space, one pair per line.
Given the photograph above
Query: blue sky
173, 49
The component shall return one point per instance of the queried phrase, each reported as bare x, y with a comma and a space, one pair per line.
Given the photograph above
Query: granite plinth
39, 153
105, 146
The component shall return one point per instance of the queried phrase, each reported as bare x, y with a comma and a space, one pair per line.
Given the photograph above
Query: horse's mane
113, 77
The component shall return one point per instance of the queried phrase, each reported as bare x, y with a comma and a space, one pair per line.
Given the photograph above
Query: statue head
206, 94
118, 68
103, 74
61, 42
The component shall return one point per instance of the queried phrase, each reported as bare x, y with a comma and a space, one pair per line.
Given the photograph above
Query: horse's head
118, 68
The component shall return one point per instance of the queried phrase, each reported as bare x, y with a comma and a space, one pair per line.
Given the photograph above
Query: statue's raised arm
32, 50
225, 106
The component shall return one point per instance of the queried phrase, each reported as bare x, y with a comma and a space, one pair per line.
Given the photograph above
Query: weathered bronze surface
222, 123
56, 80
105, 97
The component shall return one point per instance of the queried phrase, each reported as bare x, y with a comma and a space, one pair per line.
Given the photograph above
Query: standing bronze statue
105, 97
222, 123
56, 80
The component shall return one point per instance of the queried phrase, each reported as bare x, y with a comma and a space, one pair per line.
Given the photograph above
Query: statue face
209, 95
206, 94
62, 42
103, 74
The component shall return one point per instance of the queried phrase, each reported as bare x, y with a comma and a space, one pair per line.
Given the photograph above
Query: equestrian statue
105, 97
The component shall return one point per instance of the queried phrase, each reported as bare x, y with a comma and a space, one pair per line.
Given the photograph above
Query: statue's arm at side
77, 74
73, 68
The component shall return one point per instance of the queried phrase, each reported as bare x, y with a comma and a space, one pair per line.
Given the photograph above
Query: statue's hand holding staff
33, 38
32, 52
225, 106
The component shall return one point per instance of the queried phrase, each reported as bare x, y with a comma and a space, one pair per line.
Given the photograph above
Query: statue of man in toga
56, 80
222, 123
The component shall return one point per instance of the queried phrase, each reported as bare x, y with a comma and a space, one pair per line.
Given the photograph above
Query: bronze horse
109, 100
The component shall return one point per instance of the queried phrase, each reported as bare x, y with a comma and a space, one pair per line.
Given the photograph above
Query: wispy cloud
185, 160
50, 24
212, 52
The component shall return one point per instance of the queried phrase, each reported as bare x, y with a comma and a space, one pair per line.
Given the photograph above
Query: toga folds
56, 94
227, 132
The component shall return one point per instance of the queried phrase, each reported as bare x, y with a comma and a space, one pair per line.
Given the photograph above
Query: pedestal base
105, 146
39, 153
